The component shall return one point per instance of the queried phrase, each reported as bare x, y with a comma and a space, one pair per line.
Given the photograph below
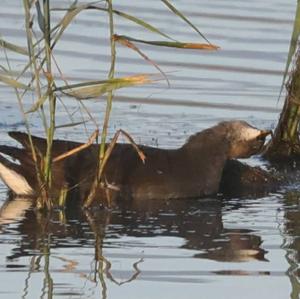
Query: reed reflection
198, 223
291, 232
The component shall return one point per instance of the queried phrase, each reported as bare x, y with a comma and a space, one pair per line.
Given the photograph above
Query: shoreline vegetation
285, 144
43, 35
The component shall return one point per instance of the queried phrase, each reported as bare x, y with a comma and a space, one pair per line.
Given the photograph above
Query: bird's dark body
191, 171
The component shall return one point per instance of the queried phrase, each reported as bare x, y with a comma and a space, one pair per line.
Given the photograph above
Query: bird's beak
262, 136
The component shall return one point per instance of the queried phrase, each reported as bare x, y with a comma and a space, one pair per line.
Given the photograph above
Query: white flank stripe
15, 181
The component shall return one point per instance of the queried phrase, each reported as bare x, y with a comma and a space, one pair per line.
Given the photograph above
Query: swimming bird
193, 170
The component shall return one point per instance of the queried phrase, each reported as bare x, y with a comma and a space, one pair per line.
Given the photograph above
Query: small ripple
12, 126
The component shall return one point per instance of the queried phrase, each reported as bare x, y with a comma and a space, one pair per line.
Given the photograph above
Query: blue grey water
238, 248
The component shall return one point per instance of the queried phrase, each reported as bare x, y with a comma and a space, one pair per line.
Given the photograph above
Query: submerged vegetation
42, 37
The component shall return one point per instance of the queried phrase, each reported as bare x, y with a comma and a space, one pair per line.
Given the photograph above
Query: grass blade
129, 17
95, 89
141, 23
13, 83
130, 45
108, 152
12, 47
39, 103
178, 13
195, 46
41, 20
293, 46
67, 19
77, 149
73, 124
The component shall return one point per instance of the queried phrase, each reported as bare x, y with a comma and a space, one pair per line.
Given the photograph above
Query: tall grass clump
42, 35
285, 143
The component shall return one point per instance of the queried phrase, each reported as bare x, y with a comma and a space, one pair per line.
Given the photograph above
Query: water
238, 248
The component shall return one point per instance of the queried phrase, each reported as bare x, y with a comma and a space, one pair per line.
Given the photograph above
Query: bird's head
244, 140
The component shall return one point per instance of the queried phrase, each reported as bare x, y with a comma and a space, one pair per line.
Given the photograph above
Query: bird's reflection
14, 210
198, 223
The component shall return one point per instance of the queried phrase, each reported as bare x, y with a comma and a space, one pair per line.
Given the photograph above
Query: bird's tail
14, 177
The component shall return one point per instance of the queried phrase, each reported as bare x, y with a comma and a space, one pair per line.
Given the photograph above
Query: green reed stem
35, 70
110, 76
48, 281
33, 57
109, 100
52, 98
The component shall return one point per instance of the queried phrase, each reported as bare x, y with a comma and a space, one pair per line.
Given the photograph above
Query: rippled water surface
238, 248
